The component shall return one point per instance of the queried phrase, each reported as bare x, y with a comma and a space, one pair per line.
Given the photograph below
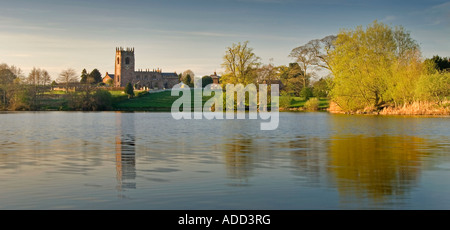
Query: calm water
71, 160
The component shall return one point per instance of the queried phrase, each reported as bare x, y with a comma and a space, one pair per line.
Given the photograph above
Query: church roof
169, 74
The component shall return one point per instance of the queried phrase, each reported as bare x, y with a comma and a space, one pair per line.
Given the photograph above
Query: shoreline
159, 110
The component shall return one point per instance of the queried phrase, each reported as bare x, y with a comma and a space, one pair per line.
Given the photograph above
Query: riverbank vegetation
380, 69
377, 69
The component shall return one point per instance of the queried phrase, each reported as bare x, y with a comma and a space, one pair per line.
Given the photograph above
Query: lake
108, 160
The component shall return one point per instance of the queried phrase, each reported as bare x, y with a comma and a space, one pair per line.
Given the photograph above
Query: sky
176, 35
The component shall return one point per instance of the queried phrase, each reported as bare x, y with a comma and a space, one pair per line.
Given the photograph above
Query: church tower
124, 62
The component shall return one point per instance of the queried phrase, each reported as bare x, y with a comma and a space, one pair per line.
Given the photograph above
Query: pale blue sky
176, 35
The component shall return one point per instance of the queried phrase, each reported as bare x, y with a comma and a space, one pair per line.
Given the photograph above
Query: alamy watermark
214, 107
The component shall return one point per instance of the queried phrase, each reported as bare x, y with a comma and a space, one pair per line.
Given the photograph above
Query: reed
419, 108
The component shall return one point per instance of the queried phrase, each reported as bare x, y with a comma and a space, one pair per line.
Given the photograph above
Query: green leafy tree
206, 80
440, 63
53, 84
188, 80
364, 62
129, 90
239, 63
321, 88
433, 87
187, 77
95, 77
103, 100
292, 79
306, 93
84, 76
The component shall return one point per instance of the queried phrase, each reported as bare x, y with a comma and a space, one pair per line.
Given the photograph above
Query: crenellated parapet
128, 49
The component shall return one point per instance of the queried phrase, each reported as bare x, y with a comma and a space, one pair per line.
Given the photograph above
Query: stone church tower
125, 64
141, 79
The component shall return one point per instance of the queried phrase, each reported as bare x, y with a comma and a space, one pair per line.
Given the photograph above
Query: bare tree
67, 76
17, 72
267, 73
313, 55
322, 49
45, 77
34, 76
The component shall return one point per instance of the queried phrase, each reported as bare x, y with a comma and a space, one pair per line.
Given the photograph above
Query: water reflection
307, 157
376, 167
63, 160
125, 152
239, 157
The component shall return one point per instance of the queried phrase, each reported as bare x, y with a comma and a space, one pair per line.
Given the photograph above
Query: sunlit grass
299, 102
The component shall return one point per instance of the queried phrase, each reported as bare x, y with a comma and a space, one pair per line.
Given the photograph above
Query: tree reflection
125, 152
307, 155
375, 167
239, 157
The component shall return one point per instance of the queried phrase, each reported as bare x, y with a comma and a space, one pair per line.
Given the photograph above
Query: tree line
362, 69
365, 68
21, 92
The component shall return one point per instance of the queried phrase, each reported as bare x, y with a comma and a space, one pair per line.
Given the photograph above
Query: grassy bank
302, 104
157, 101
160, 101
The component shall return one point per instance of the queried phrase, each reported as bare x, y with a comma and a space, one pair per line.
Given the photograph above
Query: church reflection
125, 152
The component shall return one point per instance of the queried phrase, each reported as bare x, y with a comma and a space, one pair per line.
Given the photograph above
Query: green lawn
161, 101
297, 102
144, 101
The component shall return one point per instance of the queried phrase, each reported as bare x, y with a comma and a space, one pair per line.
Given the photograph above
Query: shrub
306, 93
129, 90
285, 101
103, 100
312, 104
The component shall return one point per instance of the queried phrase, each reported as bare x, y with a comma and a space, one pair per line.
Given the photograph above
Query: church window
127, 61
118, 61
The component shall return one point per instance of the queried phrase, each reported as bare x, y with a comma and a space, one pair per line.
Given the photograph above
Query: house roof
215, 75
111, 76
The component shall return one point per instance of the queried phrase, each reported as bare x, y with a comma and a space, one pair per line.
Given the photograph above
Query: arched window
118, 61
127, 61
118, 78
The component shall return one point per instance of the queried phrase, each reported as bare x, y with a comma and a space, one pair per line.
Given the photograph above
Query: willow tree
368, 62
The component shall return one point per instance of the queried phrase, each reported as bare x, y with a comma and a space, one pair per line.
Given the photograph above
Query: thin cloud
389, 18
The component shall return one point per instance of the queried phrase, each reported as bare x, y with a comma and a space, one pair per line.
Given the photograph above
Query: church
141, 79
